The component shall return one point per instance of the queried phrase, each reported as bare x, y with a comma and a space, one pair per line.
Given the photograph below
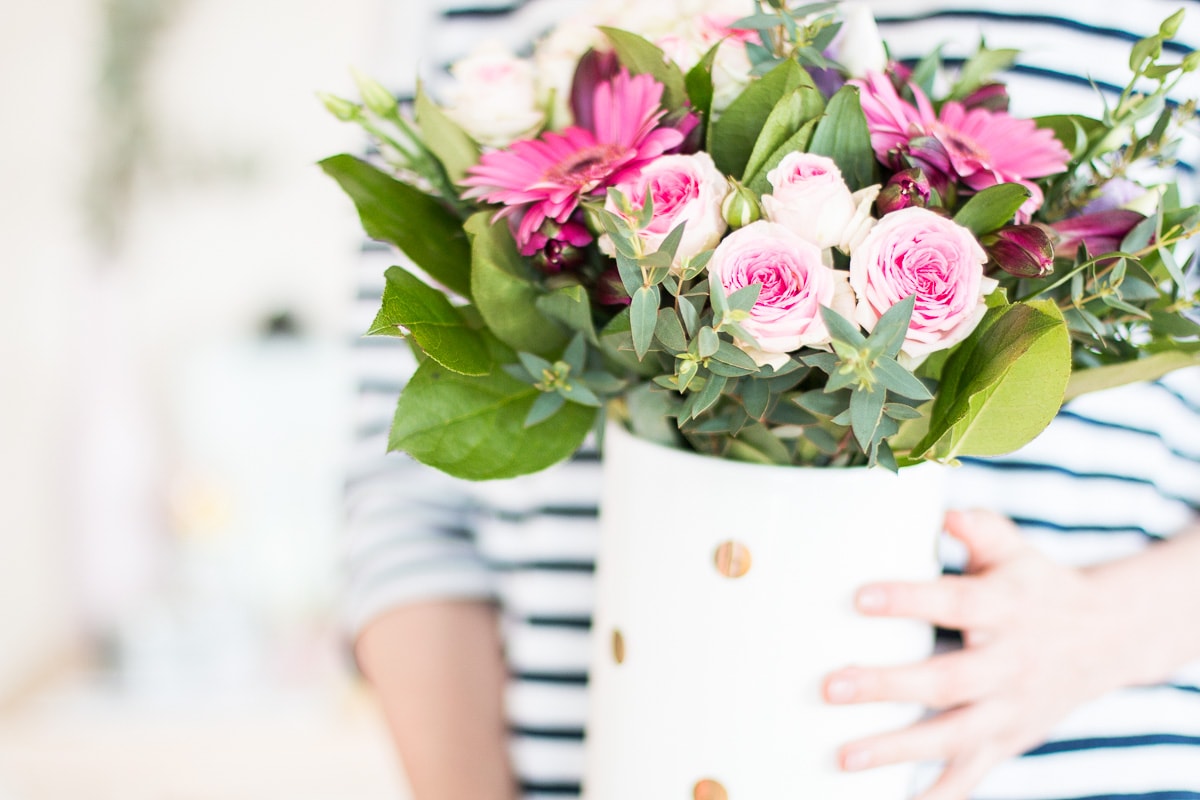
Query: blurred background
174, 399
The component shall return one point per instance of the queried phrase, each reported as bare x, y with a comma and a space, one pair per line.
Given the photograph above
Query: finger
952, 601
944, 681
933, 739
960, 778
990, 538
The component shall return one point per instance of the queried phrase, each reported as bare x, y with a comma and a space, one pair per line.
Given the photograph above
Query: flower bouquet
754, 238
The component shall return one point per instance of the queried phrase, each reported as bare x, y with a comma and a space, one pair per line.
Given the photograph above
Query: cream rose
810, 198
915, 251
795, 285
494, 98
683, 189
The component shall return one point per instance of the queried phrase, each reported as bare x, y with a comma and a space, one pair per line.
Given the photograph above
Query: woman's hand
1039, 639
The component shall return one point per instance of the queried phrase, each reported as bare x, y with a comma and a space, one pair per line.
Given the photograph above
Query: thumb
991, 539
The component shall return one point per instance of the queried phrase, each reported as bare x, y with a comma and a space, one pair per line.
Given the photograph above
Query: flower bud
1026, 251
990, 96
741, 206
1191, 61
340, 107
610, 290
379, 100
907, 188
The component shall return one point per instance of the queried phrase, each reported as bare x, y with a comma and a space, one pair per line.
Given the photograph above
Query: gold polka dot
732, 559
618, 645
709, 789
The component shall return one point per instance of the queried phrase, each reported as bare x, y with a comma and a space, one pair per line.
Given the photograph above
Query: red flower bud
1026, 251
990, 96
907, 188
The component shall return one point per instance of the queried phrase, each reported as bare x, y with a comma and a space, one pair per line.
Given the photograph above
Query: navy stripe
543, 620
564, 789
545, 566
1112, 742
569, 512
489, 12
560, 734
1029, 19
1171, 794
1184, 401
1117, 426
1029, 522
562, 678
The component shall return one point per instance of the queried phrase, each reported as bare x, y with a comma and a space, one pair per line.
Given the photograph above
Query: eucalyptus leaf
643, 318
429, 318
669, 331
545, 406
392, 211
866, 411
445, 139
708, 396
756, 397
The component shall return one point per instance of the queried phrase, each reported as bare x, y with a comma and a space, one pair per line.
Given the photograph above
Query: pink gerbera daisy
979, 146
543, 180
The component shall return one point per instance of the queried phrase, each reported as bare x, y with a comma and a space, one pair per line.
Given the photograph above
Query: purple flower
905, 189
1101, 232
1026, 251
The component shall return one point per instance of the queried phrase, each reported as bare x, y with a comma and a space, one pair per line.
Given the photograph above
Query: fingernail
855, 760
840, 690
872, 599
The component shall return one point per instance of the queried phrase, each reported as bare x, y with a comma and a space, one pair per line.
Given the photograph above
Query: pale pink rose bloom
915, 251
683, 189
810, 198
862, 221
494, 97
795, 285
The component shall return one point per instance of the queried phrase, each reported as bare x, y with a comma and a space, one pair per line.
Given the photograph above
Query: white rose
556, 58
494, 98
862, 221
810, 199
858, 46
683, 189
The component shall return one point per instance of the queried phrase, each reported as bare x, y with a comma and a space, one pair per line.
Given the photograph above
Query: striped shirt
1115, 472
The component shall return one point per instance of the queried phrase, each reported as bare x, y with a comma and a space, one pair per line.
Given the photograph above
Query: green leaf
790, 114
866, 411
888, 336
744, 298
649, 415
992, 208
731, 354
699, 84
474, 427
732, 137
797, 142
842, 329
709, 342
577, 392
419, 225
669, 331
758, 445
842, 134
708, 396
547, 405
571, 306
643, 318
979, 70
505, 292
1073, 131
1144, 369
756, 397
827, 404
445, 139
439, 329
641, 57
1003, 384
896, 378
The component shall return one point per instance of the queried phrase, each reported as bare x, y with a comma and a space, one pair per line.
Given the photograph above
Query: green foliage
792, 113
391, 211
475, 427
1150, 368
992, 208
843, 136
699, 84
733, 136
641, 57
979, 70
1003, 385
506, 291
454, 148
440, 330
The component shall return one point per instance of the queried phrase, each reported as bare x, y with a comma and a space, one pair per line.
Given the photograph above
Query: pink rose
916, 251
683, 189
795, 284
810, 198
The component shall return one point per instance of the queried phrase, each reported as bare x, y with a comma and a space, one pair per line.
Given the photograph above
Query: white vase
724, 597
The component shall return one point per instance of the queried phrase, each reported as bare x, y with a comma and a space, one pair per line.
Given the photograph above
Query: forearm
1154, 600
439, 673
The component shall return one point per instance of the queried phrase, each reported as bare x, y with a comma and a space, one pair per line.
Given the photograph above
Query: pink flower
810, 198
795, 284
544, 179
915, 251
683, 189
981, 147
1102, 231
